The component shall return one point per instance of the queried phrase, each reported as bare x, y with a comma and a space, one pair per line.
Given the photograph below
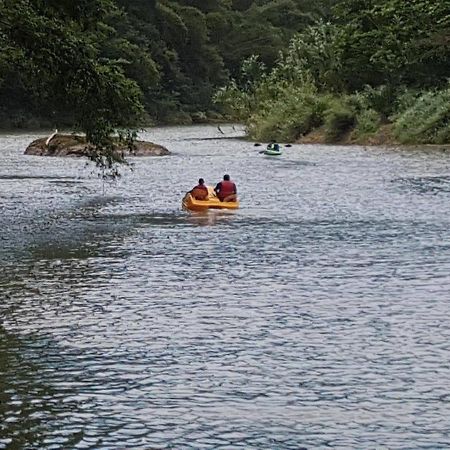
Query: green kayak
272, 152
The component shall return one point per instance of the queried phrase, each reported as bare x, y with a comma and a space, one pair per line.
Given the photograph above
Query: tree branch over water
51, 55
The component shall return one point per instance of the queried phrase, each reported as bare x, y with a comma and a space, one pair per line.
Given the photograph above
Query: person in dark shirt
273, 146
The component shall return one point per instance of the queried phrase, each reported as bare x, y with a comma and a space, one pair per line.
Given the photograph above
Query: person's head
201, 181
226, 177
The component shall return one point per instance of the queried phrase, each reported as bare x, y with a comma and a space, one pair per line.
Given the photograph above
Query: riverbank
384, 136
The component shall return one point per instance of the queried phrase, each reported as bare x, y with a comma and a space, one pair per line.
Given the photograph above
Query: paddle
268, 149
257, 144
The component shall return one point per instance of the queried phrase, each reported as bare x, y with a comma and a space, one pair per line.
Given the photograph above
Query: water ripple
313, 317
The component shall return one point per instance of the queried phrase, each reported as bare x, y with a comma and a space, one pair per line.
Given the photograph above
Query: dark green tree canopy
168, 56
141, 61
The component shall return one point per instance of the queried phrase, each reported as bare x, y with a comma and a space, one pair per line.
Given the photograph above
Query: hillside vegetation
286, 68
376, 71
152, 61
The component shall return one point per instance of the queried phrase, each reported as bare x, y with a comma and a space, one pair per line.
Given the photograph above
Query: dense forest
375, 71
170, 56
284, 67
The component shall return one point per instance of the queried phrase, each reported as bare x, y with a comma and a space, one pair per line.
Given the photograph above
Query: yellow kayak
212, 202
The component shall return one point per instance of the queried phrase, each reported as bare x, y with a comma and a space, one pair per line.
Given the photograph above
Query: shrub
234, 102
406, 97
427, 121
368, 121
315, 54
294, 114
339, 119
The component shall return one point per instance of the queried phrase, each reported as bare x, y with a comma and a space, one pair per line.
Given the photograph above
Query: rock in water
72, 145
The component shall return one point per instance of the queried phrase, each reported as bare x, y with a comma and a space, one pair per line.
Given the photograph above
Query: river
316, 316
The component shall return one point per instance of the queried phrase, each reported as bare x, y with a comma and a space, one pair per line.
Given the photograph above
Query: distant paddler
273, 146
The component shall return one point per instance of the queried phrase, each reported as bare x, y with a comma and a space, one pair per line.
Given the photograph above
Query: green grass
426, 121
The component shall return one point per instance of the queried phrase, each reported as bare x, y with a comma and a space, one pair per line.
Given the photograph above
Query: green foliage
368, 122
394, 42
218, 26
339, 119
234, 102
381, 99
427, 120
314, 55
286, 14
177, 52
52, 63
175, 31
405, 99
242, 5
284, 66
295, 113
252, 72
359, 71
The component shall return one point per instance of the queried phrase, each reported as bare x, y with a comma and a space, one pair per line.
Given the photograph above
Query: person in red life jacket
200, 192
226, 190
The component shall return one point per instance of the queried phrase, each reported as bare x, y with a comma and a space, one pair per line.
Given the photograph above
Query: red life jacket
200, 192
226, 188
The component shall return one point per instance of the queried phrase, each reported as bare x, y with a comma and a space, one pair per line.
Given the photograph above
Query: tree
392, 41
55, 66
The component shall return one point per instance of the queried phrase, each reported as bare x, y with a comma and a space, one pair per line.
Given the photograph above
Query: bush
315, 54
427, 121
368, 122
233, 102
406, 98
339, 119
381, 99
296, 113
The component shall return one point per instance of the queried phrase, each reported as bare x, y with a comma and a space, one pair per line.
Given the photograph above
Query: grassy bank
343, 81
372, 116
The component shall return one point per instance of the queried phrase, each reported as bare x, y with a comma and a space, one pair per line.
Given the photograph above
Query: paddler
200, 192
226, 190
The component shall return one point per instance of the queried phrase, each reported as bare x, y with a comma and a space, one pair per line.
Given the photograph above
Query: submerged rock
72, 145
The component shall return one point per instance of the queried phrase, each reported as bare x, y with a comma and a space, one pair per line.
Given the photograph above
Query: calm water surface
316, 316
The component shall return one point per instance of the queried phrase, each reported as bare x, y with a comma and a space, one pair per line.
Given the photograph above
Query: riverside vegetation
344, 67
105, 67
376, 72
156, 60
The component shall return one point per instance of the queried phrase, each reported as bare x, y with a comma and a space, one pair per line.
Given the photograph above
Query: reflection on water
210, 218
28, 405
313, 317
53, 179
424, 185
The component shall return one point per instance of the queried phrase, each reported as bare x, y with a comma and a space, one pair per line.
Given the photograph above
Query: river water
316, 316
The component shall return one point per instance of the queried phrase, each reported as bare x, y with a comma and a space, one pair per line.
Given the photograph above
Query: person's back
273, 147
200, 192
226, 190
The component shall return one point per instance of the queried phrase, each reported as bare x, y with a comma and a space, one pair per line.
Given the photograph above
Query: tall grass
290, 116
426, 121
